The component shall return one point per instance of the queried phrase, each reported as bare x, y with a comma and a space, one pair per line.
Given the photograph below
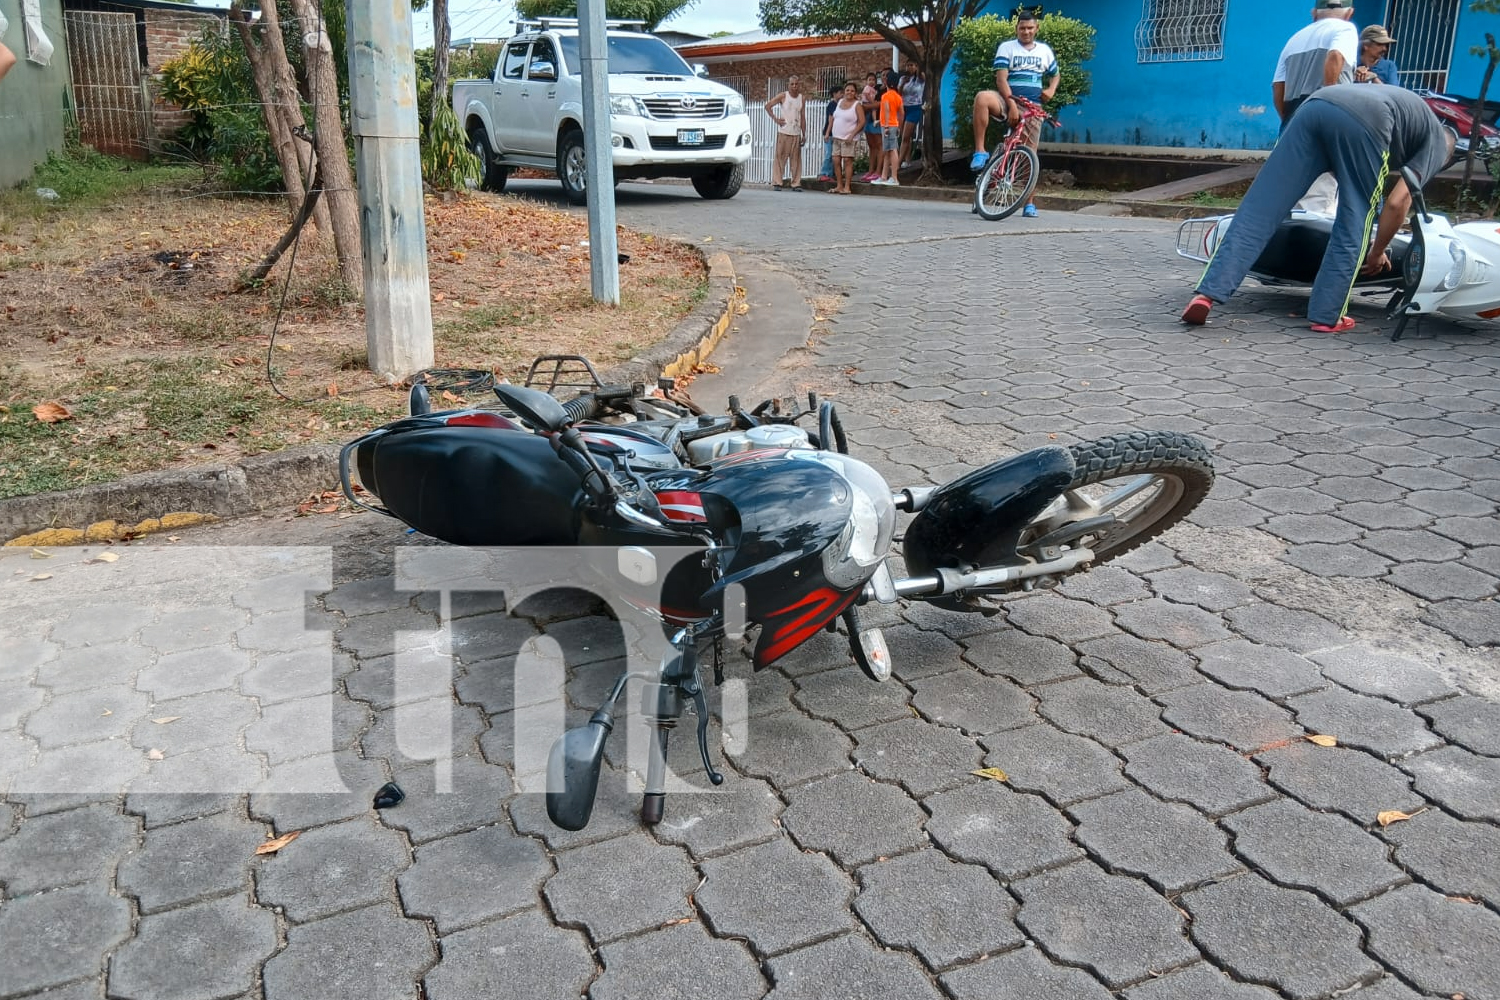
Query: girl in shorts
891, 115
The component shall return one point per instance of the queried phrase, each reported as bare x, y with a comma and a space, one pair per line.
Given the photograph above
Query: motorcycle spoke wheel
1143, 482
1007, 183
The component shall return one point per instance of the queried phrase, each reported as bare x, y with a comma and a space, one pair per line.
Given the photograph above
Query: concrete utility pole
604, 248
393, 232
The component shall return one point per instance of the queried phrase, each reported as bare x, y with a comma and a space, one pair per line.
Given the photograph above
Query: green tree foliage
653, 12
975, 42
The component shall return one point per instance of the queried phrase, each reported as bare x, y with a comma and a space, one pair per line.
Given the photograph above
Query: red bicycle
1010, 174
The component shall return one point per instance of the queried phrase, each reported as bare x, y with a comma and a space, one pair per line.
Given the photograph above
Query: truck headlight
734, 105
1460, 257
624, 104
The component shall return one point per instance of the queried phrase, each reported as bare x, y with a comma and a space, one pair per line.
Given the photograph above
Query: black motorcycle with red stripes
787, 533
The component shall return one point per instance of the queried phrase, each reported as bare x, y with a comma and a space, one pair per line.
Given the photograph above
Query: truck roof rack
548, 23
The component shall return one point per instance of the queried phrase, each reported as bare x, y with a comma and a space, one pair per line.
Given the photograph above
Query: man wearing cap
1360, 135
1374, 67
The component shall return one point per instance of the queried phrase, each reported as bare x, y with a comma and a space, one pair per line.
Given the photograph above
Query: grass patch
84, 179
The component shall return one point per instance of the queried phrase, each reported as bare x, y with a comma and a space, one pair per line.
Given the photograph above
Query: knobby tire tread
1135, 452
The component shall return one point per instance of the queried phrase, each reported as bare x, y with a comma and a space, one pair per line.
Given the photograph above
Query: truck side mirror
700, 70
542, 71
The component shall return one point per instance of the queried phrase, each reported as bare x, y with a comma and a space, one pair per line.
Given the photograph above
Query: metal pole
604, 248
387, 156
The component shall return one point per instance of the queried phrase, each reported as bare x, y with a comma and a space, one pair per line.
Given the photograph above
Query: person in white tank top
786, 110
844, 127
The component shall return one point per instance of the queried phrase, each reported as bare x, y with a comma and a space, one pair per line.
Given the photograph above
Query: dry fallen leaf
155, 755
106, 557
993, 773
1323, 741
51, 411
39, 554
1395, 816
166, 720
41, 576
272, 846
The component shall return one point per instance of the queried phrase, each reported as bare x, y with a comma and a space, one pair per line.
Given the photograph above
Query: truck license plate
690, 137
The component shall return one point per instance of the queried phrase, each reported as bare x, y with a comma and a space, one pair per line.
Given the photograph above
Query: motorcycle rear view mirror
1414, 186
573, 772
534, 406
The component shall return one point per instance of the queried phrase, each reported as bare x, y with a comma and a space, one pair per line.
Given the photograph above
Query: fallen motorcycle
789, 533
1435, 268
1457, 117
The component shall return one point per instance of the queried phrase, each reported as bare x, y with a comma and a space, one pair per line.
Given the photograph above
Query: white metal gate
1424, 31
763, 140
114, 108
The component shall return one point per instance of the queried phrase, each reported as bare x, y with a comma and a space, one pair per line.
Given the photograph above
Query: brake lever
700, 709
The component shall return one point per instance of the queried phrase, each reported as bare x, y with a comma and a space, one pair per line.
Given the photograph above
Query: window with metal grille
1180, 30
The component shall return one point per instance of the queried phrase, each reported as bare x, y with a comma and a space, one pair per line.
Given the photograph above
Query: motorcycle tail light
482, 418
1460, 260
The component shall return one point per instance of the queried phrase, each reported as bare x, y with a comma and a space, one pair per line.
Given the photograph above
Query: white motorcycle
1436, 268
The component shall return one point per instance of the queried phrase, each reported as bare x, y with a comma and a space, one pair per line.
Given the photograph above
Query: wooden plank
1192, 185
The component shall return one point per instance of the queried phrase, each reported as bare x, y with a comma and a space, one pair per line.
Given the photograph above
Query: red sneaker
1196, 312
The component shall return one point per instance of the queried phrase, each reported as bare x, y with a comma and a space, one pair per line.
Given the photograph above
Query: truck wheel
723, 182
572, 169
492, 176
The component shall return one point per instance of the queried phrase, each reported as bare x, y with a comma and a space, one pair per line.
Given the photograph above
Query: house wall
1466, 72
169, 33
34, 100
759, 72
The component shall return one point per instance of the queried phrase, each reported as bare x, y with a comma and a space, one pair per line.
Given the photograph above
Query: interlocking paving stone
775, 896
1242, 719
853, 818
944, 911
1465, 784
1170, 845
1301, 631
1383, 673
616, 811
1198, 982
1110, 714
373, 952
199, 722
102, 623
102, 713
500, 873
1441, 581
367, 637
652, 965
1404, 545
306, 728
66, 848
1474, 623
197, 952
304, 673
973, 702
1112, 925
1285, 938
333, 868
742, 812
366, 597
1442, 945
20, 700
1357, 720
1023, 974
1213, 778
20, 657
1469, 721
1337, 560
621, 886
1455, 857
1152, 667
195, 628
921, 757
920, 651
788, 747
1105, 585
61, 779
847, 968
1025, 659
1182, 625
56, 937
298, 794
1272, 672
177, 675
189, 861
847, 698
1063, 767
1209, 591
1309, 850
430, 730
473, 795
1349, 781
1009, 833
1056, 617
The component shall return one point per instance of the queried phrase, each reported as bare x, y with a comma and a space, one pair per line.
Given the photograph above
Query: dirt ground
125, 344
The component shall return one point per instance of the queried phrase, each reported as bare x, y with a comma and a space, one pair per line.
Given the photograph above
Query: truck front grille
662, 142
669, 108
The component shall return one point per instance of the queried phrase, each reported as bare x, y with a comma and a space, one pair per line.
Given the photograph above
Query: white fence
763, 142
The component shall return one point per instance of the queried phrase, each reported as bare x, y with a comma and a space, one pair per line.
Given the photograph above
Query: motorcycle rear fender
977, 520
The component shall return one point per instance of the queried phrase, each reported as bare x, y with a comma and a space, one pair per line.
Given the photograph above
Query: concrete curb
156, 501
1051, 203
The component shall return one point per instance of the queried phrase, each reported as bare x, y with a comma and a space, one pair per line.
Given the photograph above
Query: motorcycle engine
715, 446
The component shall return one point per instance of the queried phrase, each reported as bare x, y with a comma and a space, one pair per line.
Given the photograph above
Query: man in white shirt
1320, 55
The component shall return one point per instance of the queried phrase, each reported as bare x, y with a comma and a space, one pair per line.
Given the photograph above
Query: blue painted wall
1210, 104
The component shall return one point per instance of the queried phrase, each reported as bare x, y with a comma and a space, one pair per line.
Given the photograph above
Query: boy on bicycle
1024, 67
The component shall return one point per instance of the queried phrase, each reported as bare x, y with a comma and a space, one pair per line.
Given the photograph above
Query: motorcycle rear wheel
1146, 480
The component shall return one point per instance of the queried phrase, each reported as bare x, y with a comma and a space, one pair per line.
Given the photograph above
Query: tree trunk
328, 136
441, 39
1484, 87
280, 106
934, 64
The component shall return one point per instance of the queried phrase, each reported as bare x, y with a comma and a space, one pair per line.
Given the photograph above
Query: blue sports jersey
1026, 68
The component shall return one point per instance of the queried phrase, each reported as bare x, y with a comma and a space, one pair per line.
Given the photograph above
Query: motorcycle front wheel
1128, 488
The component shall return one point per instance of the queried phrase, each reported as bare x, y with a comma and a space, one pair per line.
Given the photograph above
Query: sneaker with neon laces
1029, 211
978, 160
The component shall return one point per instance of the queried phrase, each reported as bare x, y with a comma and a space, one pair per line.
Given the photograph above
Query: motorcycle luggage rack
1192, 239
567, 371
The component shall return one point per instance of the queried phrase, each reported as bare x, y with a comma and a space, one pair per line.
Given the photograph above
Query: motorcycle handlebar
582, 407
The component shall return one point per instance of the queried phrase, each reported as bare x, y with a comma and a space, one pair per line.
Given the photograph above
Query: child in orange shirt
891, 115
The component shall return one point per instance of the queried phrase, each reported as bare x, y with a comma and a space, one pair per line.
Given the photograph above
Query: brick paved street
1165, 831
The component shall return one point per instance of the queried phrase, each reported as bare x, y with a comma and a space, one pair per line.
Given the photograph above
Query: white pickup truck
664, 120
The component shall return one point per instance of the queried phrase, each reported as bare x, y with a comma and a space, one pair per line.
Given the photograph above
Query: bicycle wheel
1007, 181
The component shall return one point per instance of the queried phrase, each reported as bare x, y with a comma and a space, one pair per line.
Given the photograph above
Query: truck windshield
631, 54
